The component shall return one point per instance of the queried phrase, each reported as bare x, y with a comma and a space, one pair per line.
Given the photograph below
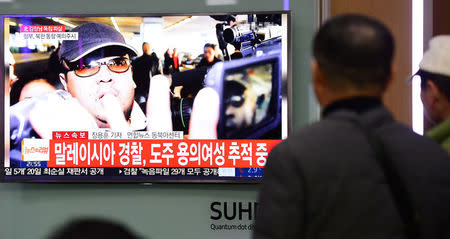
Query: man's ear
134, 83
390, 77
319, 84
62, 78
317, 74
315, 69
433, 91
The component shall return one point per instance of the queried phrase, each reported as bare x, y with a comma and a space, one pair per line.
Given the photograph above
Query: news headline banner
117, 135
79, 149
46, 32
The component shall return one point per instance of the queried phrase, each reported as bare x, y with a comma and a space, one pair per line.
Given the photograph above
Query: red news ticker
159, 153
42, 28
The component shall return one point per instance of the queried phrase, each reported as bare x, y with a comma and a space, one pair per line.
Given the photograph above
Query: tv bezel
286, 72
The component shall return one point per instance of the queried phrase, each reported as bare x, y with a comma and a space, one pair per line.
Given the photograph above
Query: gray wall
155, 211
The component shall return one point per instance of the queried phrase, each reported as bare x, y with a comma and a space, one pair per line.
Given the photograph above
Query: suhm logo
233, 210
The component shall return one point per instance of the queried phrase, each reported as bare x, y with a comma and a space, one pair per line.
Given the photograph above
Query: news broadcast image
137, 98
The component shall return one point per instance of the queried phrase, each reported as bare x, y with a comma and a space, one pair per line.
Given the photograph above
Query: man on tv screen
99, 75
99, 90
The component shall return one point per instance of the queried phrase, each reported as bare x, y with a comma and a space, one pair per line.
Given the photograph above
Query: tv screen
144, 98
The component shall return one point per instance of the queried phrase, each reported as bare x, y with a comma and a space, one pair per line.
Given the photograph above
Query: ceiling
126, 24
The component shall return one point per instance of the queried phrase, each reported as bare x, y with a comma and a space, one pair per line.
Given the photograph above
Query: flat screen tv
194, 98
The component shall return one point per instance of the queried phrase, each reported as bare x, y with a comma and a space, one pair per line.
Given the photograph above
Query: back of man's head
354, 52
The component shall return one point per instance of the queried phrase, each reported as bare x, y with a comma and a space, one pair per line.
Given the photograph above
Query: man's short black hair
208, 45
354, 51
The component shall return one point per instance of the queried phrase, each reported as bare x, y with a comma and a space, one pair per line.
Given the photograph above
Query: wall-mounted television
143, 97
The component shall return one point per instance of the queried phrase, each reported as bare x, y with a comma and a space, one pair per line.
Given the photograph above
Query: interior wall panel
397, 16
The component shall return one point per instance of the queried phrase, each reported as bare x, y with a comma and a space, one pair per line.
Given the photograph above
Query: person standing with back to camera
357, 173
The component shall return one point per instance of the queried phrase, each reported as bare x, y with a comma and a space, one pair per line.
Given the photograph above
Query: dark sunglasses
117, 64
235, 100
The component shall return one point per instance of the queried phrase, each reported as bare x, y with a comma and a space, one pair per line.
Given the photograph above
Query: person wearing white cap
435, 88
357, 172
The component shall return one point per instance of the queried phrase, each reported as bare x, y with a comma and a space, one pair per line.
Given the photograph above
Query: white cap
436, 59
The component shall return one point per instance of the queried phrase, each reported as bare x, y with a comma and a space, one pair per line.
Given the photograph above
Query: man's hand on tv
58, 114
114, 113
159, 116
205, 115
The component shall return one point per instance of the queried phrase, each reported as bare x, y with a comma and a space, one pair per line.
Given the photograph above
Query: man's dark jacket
324, 181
